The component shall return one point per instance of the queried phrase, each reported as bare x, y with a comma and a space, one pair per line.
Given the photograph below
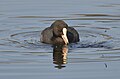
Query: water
97, 55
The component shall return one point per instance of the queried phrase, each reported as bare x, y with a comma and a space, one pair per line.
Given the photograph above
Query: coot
59, 33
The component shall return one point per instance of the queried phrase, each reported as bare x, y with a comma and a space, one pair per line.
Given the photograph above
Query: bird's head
60, 30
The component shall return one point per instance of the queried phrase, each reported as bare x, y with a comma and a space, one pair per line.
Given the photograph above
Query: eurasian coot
59, 34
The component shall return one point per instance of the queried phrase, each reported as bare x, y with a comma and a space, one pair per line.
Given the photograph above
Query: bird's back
46, 35
72, 35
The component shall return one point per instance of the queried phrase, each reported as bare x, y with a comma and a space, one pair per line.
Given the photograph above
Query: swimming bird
59, 33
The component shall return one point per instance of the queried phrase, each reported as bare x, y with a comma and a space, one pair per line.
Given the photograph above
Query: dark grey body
47, 35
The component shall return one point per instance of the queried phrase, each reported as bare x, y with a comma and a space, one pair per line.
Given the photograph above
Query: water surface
97, 55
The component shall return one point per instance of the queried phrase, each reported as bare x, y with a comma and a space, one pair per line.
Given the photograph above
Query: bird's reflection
60, 56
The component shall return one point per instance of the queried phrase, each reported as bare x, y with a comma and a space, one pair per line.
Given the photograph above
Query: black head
60, 31
58, 26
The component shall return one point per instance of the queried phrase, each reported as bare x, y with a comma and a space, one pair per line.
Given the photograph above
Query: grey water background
97, 55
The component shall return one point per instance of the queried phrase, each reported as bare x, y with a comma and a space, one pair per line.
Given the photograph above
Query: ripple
94, 56
105, 19
32, 40
109, 5
38, 17
97, 15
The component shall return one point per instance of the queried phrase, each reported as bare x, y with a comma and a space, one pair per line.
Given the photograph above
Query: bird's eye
61, 33
59, 30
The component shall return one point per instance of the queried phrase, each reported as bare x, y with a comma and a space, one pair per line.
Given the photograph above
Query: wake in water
31, 40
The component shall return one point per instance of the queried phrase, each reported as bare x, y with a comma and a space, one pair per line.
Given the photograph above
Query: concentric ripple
89, 38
